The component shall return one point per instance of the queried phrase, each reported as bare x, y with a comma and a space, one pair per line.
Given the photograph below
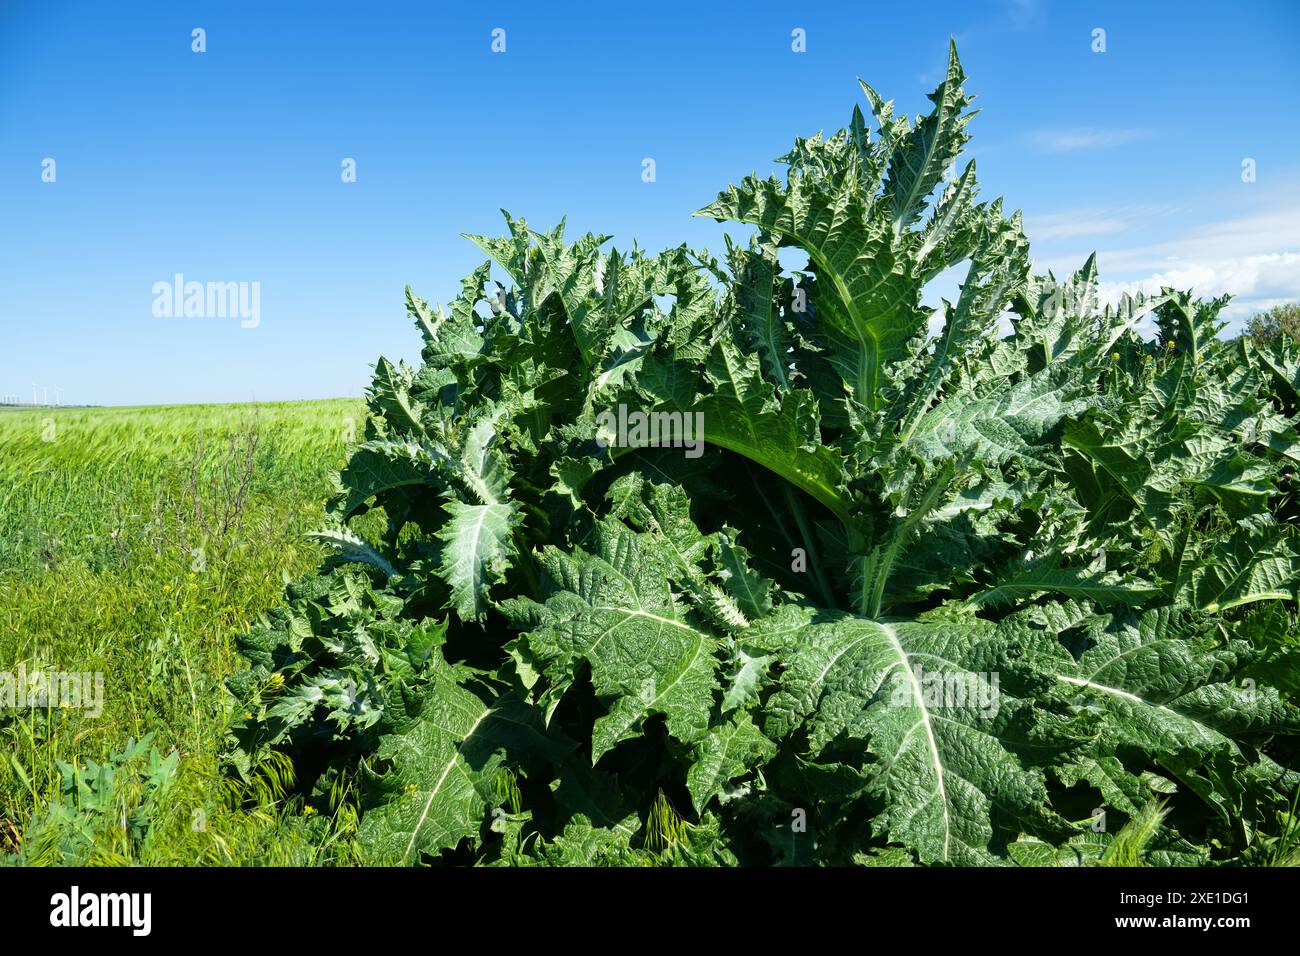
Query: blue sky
225, 165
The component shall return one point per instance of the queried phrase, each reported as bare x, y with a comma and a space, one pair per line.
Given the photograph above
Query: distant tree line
1281, 321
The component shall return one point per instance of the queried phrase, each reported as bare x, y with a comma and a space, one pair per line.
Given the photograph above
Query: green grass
136, 543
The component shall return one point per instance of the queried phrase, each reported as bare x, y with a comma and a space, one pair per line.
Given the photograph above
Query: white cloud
1277, 230
1078, 223
1254, 257
1084, 138
1047, 228
1255, 282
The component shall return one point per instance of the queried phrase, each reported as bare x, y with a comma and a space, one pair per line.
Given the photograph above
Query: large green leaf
476, 552
614, 610
1168, 687
947, 743
442, 761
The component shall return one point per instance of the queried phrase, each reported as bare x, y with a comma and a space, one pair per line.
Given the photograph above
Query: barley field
135, 543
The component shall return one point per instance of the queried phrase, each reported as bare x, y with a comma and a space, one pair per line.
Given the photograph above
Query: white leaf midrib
442, 778
924, 722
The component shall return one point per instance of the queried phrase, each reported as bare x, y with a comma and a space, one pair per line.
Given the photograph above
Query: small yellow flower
308, 811
412, 788
1148, 360
277, 679
1114, 356
248, 715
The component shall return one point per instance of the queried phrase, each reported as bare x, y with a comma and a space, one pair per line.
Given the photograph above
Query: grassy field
134, 544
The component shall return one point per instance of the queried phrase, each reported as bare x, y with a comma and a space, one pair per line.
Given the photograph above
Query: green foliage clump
104, 812
975, 587
1279, 322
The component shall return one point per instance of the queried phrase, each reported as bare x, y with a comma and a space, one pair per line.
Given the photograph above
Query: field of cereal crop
135, 543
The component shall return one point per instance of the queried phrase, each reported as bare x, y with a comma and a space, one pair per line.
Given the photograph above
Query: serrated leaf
728, 751
943, 762
613, 610
477, 549
439, 788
